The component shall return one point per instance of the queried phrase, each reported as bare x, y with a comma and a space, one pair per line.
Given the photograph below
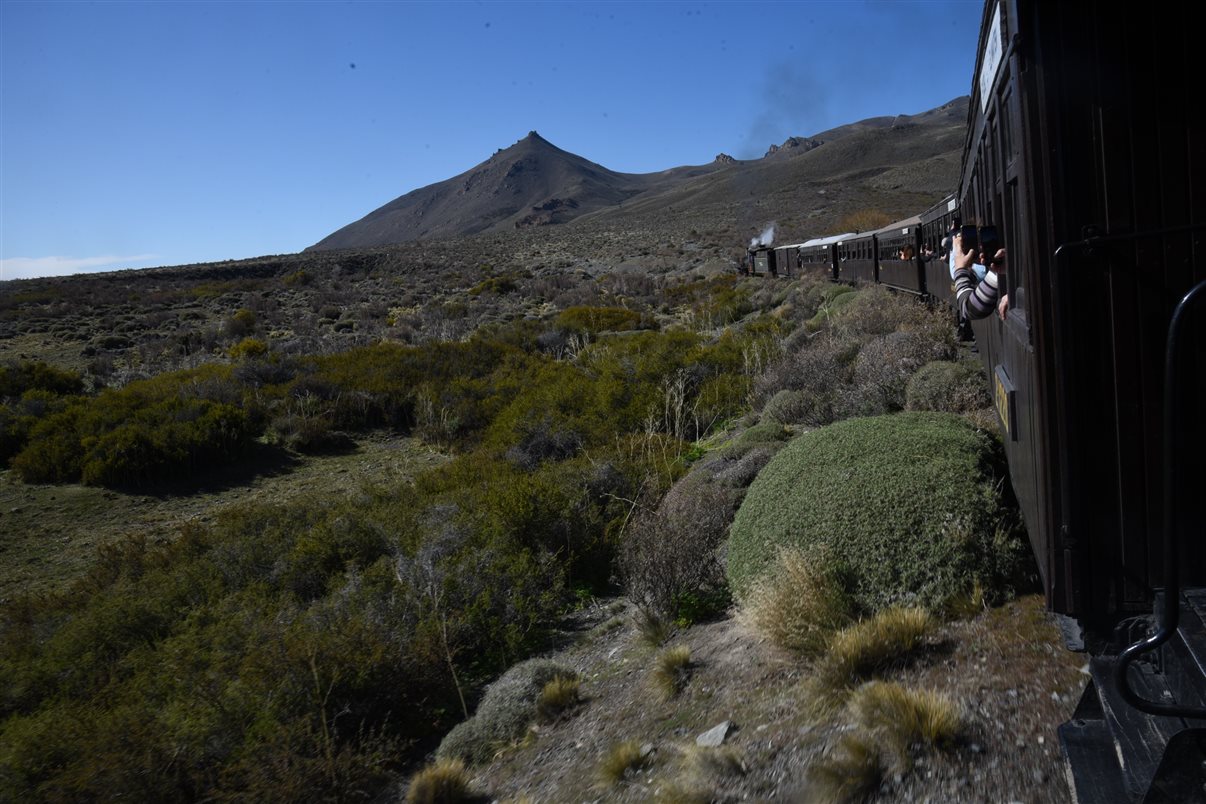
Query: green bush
948, 386
17, 378
593, 320
509, 706
911, 503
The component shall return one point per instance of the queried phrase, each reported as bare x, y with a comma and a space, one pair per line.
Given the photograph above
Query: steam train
1086, 152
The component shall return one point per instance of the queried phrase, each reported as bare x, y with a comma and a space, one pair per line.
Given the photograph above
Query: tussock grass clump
559, 696
902, 718
624, 759
671, 669
852, 772
653, 628
508, 708
802, 602
877, 643
703, 764
910, 503
444, 782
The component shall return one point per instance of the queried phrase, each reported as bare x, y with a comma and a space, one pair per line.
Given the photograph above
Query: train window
1016, 273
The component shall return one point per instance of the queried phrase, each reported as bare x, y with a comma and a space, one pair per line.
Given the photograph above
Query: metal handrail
1173, 411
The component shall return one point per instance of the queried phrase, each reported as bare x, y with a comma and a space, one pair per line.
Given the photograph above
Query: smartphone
970, 236
990, 242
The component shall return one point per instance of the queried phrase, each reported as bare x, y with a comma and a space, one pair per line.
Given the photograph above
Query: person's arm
974, 300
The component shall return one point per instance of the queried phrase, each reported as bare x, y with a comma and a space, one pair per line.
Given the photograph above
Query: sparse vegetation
621, 761
873, 645
901, 718
850, 774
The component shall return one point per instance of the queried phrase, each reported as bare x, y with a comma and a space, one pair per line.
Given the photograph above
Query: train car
898, 255
856, 258
818, 257
936, 222
787, 260
1085, 149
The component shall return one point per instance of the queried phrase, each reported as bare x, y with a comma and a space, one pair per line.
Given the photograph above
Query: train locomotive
1085, 151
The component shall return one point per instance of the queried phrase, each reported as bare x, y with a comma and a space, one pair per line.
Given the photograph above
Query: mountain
534, 183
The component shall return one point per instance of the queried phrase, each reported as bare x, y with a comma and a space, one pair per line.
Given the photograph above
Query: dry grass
860, 651
444, 782
852, 772
671, 669
799, 604
703, 764
901, 718
622, 760
559, 696
653, 628
680, 793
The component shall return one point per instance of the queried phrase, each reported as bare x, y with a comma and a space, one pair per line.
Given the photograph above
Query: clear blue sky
139, 134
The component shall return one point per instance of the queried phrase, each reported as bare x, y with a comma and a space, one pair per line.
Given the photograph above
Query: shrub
507, 709
910, 528
669, 556
883, 369
247, 348
443, 782
948, 386
800, 603
759, 434
671, 669
593, 320
18, 377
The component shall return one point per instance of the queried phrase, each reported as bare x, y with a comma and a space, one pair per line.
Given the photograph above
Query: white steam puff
766, 238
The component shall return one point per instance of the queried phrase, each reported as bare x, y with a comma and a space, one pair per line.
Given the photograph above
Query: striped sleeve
975, 301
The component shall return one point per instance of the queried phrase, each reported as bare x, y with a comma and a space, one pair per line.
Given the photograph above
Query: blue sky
140, 134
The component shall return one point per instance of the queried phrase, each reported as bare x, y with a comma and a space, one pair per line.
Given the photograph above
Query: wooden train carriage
787, 261
818, 257
935, 223
899, 256
1086, 149
856, 258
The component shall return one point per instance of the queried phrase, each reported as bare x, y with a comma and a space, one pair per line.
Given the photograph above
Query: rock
646, 750
724, 159
714, 736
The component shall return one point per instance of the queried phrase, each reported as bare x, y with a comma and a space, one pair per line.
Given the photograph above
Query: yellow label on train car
1003, 395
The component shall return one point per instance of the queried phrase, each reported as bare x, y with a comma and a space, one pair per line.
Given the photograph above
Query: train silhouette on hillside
1087, 155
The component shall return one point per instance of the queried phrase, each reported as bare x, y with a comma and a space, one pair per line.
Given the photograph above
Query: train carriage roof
825, 241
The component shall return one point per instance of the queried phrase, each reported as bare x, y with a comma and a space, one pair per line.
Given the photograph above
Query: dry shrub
883, 369
901, 718
876, 311
948, 386
671, 669
444, 782
815, 371
864, 220
670, 554
800, 603
624, 759
738, 473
